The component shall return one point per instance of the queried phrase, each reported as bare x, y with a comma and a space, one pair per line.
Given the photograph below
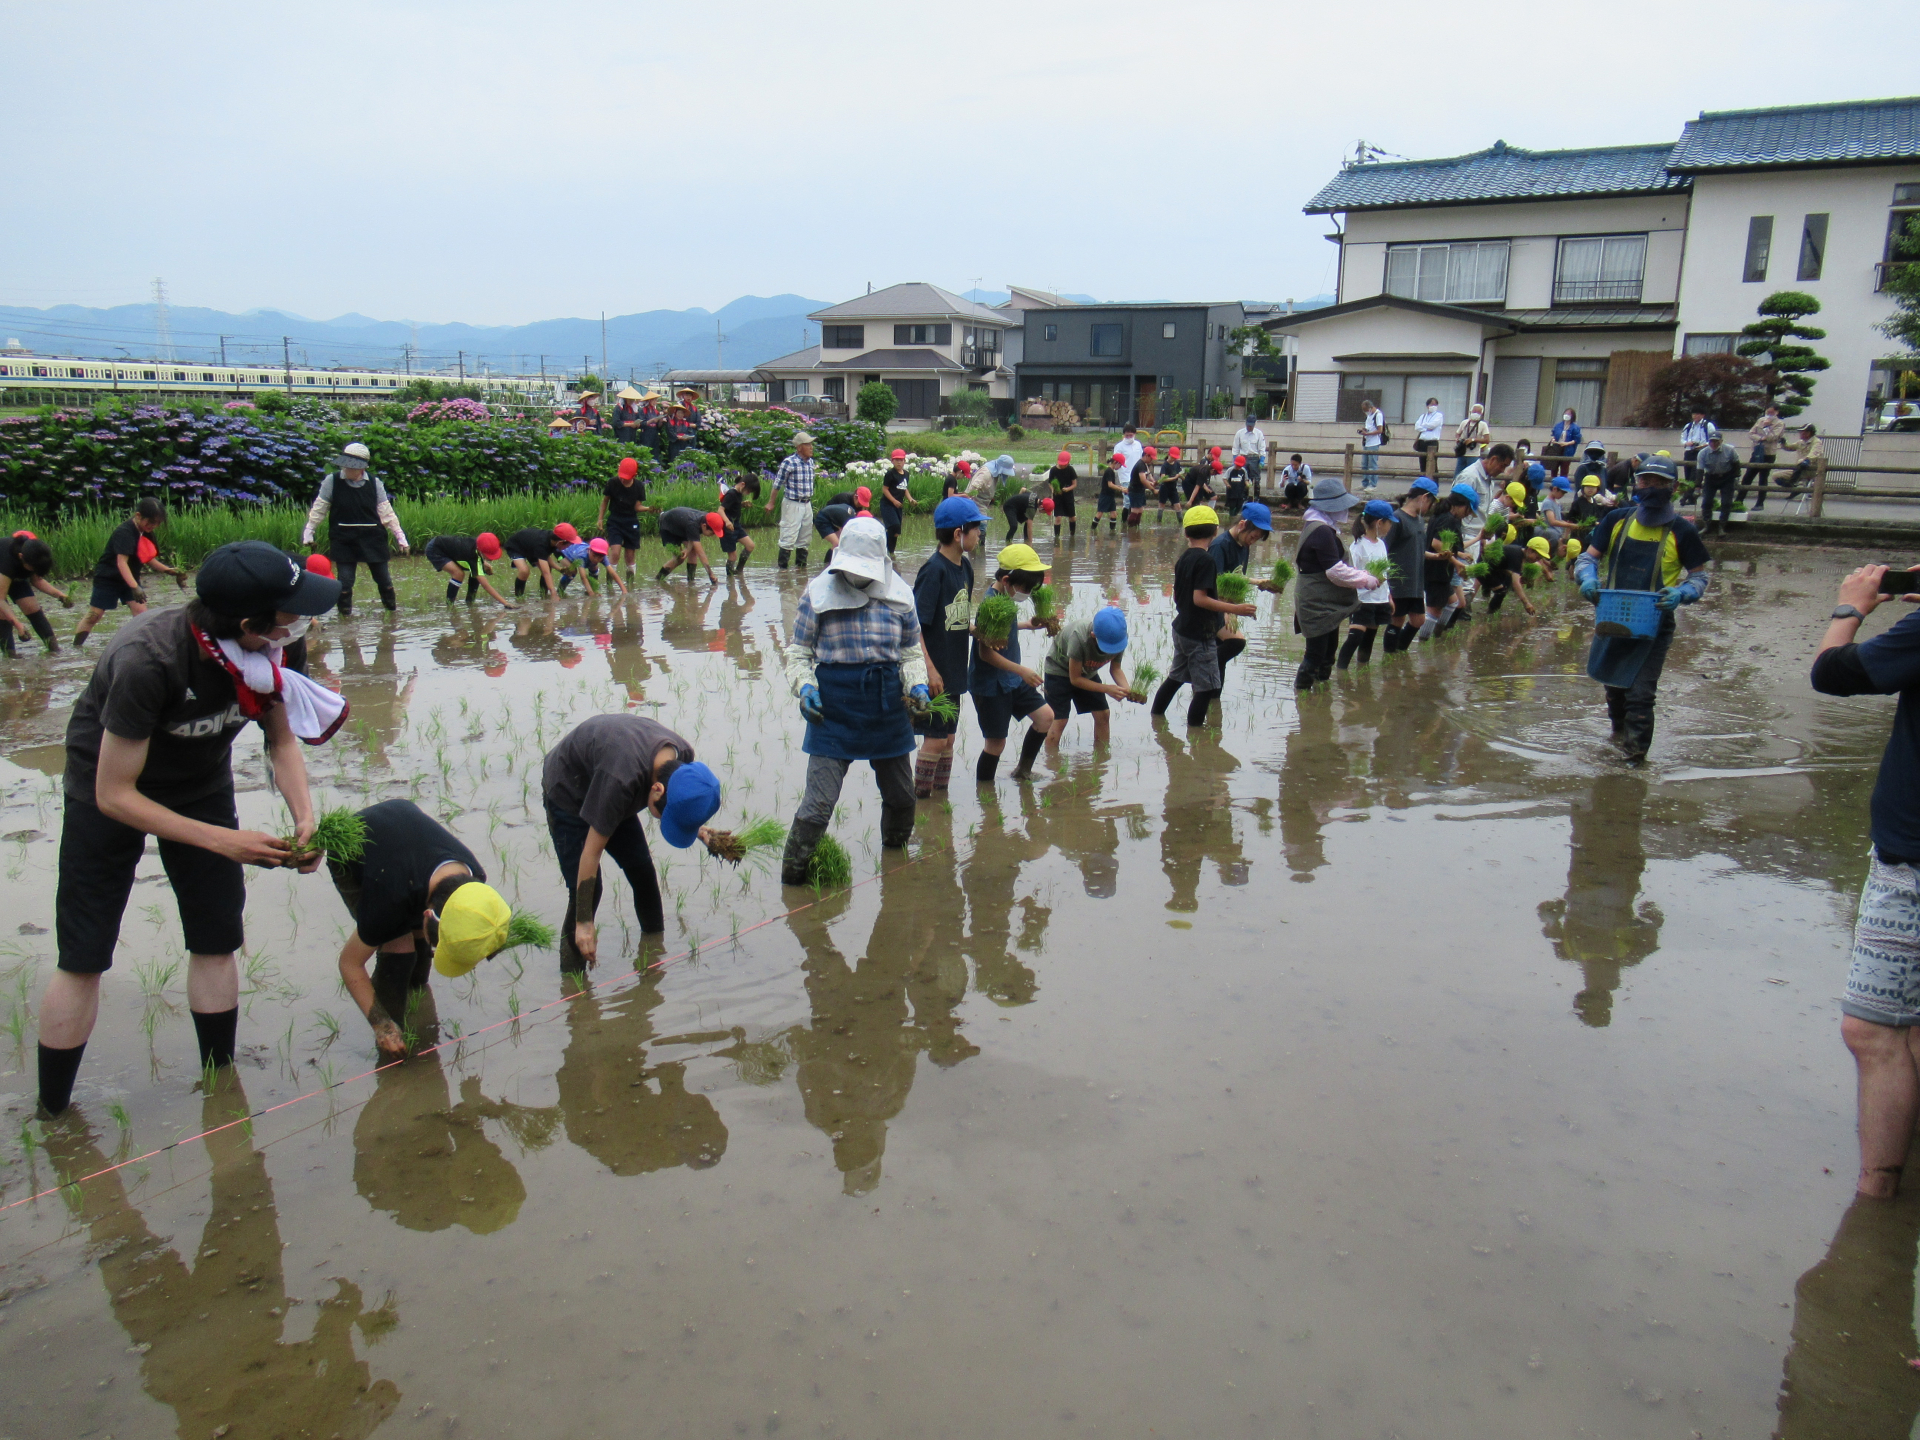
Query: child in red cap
1064, 481
685, 527
1169, 484
1113, 485
464, 558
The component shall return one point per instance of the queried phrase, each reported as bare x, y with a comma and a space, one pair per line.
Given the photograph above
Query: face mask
1568, 417
1656, 497
293, 632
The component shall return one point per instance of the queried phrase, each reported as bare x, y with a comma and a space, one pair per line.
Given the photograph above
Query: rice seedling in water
1232, 587
995, 619
329, 1025
831, 867
117, 1113
1146, 676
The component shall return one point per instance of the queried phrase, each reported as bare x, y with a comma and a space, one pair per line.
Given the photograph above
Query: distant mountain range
752, 330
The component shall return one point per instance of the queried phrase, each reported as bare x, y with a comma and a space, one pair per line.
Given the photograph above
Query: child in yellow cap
1196, 621
1003, 689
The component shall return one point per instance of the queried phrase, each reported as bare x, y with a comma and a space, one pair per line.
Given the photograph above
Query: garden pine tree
1769, 336
1903, 284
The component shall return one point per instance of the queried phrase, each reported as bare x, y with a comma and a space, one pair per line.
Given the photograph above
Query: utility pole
463, 365
603, 342
223, 348
286, 357
543, 370
162, 326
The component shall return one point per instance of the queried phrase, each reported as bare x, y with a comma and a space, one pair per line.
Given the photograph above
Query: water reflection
624, 643
1846, 1374
377, 691
991, 875
429, 1162
1313, 779
1198, 815
632, 1114
212, 1332
870, 1020
469, 640
1602, 925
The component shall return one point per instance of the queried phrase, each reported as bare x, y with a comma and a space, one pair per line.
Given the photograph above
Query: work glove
1673, 597
810, 707
919, 699
1590, 591
306, 537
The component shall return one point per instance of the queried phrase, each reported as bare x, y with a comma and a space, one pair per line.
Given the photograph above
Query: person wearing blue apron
1642, 545
855, 664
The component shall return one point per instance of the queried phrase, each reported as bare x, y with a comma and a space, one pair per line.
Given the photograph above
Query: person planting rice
1137, 481
1064, 481
855, 665
1444, 566
619, 517
1196, 620
1232, 551
362, 516
1078, 652
893, 498
595, 783
1329, 588
943, 600
1505, 559
586, 558
733, 506
149, 753
419, 902
25, 562
1369, 553
533, 549
1113, 486
1406, 542
1003, 689
116, 575
1169, 491
1645, 546
685, 527
1018, 509
1239, 484
465, 557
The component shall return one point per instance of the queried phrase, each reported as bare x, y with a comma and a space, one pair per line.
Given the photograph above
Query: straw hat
590, 395
629, 393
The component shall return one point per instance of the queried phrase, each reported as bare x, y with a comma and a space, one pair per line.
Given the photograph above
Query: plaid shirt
875, 633
795, 478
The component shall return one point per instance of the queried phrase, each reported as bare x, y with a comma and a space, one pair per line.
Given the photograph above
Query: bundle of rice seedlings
1479, 571
995, 619
524, 929
1282, 574
1232, 587
1043, 601
1492, 551
340, 833
1531, 572
831, 867
735, 846
944, 706
1146, 678
1449, 540
1382, 570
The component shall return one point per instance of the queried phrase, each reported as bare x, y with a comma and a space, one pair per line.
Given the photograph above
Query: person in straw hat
626, 415
589, 418
362, 517
793, 485
854, 663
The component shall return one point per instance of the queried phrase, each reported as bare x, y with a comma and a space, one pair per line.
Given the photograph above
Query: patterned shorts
1883, 982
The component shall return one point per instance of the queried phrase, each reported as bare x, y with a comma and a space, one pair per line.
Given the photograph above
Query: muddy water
1386, 1063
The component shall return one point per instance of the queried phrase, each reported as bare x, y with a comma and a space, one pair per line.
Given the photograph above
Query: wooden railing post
1818, 498
1346, 471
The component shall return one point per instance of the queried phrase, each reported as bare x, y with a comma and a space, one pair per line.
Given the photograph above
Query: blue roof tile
1852, 132
1504, 172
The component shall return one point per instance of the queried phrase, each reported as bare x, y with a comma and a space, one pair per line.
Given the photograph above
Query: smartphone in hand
1900, 582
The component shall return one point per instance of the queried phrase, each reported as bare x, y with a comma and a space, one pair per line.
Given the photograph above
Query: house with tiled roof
1536, 281
921, 341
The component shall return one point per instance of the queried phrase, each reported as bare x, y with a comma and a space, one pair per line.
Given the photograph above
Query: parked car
1899, 415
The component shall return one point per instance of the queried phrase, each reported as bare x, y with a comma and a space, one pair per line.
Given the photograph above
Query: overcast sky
479, 162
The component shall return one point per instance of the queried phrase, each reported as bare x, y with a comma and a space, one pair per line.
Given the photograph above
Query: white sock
1447, 614
1427, 627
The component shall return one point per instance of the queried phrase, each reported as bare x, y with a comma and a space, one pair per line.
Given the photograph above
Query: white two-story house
1539, 281
921, 341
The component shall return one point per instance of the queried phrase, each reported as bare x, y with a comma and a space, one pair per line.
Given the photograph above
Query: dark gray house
1115, 363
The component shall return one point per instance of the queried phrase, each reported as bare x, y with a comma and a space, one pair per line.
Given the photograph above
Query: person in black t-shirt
535, 548
1018, 508
116, 576
418, 903
943, 601
892, 510
149, 753
619, 517
733, 507
25, 562
685, 527
464, 557
1064, 481
1196, 620
1113, 487
1169, 495
1138, 478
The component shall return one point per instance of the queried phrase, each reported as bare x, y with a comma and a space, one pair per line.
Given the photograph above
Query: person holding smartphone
1880, 1012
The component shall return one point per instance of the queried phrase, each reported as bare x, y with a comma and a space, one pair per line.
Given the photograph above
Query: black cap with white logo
251, 577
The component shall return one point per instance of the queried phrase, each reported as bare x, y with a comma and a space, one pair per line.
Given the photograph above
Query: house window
1106, 341
1708, 344
923, 334
1813, 247
1166, 330
1600, 268
834, 388
1469, 274
982, 340
1759, 249
843, 337
1906, 206
1051, 332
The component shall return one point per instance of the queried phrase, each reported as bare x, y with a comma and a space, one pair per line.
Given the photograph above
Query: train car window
146, 374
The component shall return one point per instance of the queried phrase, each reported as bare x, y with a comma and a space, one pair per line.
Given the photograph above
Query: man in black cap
149, 753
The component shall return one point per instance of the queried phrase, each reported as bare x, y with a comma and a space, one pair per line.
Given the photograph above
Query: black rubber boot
781, 558
58, 1070
453, 591
802, 840
565, 580
1617, 716
389, 599
519, 589
43, 627
345, 607
985, 768
1029, 750
800, 558
1639, 735
1197, 707
473, 591
896, 826
1163, 697
1365, 657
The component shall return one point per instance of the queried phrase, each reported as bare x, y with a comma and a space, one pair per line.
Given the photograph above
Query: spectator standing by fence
1812, 452
1567, 436
1719, 475
1251, 441
1470, 437
1693, 439
793, 485
1373, 434
1764, 435
1426, 434
1880, 1013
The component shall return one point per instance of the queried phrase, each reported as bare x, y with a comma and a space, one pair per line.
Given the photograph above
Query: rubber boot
896, 826
1029, 750
1348, 647
1639, 735
565, 580
519, 589
345, 607
473, 591
389, 599
800, 558
781, 558
6, 639
1365, 657
802, 840
453, 591
43, 627
1617, 716
1197, 707
1163, 697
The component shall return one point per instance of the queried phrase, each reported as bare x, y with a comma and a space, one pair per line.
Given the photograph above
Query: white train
66, 373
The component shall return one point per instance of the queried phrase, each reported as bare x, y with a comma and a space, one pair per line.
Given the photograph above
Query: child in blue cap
1370, 529
943, 598
1072, 665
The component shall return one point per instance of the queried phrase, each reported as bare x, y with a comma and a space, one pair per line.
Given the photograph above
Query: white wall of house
1715, 297
1387, 330
1534, 229
879, 336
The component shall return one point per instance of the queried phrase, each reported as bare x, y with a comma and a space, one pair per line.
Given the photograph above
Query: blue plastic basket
1627, 612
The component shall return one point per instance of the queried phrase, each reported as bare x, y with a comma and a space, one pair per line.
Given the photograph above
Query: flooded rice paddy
1384, 1063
